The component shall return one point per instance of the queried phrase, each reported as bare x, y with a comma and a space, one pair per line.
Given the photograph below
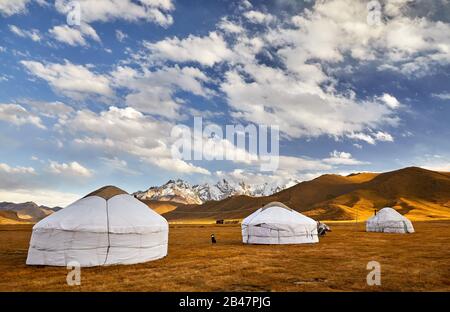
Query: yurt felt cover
388, 220
276, 223
114, 228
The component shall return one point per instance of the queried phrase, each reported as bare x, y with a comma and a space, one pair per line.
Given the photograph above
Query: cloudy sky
94, 104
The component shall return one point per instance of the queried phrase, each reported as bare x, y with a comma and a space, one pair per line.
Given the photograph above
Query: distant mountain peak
417, 193
183, 192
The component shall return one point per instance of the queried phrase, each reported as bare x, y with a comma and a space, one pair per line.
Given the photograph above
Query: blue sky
86, 105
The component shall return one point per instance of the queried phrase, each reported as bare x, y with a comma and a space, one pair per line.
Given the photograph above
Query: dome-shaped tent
276, 223
388, 220
106, 227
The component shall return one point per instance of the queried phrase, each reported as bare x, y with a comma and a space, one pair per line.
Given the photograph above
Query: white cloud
362, 137
342, 158
207, 50
442, 96
219, 148
443, 167
33, 34
49, 109
117, 164
302, 95
313, 106
16, 170
11, 7
71, 169
259, 17
24, 183
18, 115
75, 81
390, 100
306, 110
371, 137
245, 4
47, 197
290, 169
435, 162
153, 91
300, 164
334, 29
16, 176
126, 130
120, 35
394, 7
383, 137
74, 35
230, 27
155, 11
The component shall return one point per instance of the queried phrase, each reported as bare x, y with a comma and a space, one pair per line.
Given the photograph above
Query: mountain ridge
27, 212
182, 192
418, 193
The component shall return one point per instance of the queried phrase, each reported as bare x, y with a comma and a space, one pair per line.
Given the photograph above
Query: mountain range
180, 191
28, 212
162, 198
417, 193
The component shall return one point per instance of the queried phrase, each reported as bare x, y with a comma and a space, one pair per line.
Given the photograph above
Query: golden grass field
414, 262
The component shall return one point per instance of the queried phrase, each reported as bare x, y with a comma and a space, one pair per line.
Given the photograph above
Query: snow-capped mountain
182, 192
174, 190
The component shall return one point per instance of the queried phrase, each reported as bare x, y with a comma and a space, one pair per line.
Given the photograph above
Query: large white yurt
275, 223
388, 220
106, 227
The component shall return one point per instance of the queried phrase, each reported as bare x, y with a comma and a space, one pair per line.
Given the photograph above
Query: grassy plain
414, 262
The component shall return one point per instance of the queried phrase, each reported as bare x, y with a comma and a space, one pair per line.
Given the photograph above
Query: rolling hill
28, 212
418, 193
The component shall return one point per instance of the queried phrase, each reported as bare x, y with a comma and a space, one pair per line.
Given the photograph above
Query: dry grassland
415, 262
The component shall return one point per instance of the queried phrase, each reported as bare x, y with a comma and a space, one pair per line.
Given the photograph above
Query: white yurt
106, 227
275, 223
388, 220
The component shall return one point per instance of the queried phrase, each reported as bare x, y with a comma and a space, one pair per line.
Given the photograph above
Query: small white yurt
276, 223
106, 227
388, 220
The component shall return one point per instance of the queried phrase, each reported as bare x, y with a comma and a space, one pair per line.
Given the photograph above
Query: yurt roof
275, 204
282, 214
107, 192
389, 211
386, 214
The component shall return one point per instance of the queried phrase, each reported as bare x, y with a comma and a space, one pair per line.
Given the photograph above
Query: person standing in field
213, 239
